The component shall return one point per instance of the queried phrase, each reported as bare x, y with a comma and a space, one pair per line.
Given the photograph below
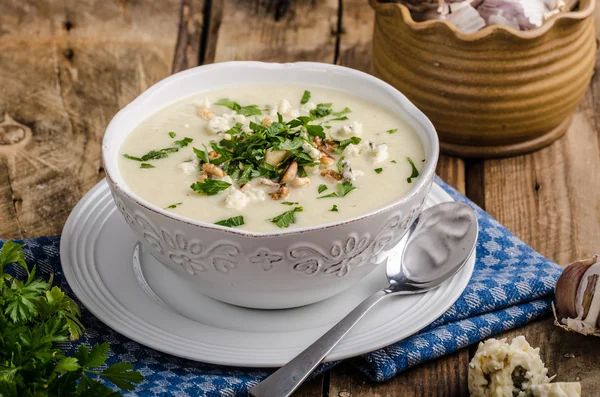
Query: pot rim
115, 179
389, 8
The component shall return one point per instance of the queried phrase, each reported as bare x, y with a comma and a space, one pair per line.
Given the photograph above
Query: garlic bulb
578, 297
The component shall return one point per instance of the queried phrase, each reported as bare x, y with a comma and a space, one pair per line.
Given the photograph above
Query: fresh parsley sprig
232, 222
414, 171
210, 187
34, 317
250, 110
344, 188
287, 218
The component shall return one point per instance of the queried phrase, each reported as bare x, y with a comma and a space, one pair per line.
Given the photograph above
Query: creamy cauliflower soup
269, 157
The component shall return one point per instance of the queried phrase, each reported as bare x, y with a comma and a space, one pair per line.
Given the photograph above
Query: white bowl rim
412, 111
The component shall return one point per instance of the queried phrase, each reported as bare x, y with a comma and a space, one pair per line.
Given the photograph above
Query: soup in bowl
270, 185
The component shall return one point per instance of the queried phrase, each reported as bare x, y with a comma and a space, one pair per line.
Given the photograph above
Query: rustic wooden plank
446, 376
274, 31
66, 70
263, 31
189, 45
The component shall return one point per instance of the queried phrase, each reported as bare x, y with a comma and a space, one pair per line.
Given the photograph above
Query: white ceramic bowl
279, 269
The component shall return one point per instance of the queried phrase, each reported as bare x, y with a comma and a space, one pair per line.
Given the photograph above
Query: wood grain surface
66, 67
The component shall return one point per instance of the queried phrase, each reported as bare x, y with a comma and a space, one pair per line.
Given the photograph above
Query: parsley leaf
174, 205
232, 222
345, 188
322, 110
202, 155
250, 110
414, 173
315, 130
172, 134
305, 97
153, 154
322, 188
146, 165
339, 118
210, 187
394, 161
132, 157
334, 208
184, 142
378, 170
290, 203
342, 113
392, 131
287, 218
344, 144
340, 165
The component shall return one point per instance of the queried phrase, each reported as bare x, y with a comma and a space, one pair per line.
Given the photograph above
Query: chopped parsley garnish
287, 218
232, 222
414, 172
343, 144
172, 134
322, 188
339, 116
153, 154
394, 161
305, 97
345, 188
174, 205
322, 110
132, 157
392, 131
250, 110
340, 165
146, 165
290, 203
202, 155
378, 170
184, 142
210, 187
334, 208
315, 130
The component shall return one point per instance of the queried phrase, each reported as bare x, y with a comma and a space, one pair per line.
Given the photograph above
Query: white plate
96, 252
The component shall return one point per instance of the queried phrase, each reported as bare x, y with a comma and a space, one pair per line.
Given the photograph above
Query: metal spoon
438, 245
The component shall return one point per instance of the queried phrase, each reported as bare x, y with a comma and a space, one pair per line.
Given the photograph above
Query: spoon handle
285, 380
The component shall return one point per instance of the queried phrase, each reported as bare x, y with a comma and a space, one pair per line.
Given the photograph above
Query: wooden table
66, 67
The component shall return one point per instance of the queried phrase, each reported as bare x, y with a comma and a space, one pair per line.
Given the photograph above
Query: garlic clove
567, 285
578, 297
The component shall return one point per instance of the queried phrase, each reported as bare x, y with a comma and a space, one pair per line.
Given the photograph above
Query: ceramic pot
496, 92
289, 268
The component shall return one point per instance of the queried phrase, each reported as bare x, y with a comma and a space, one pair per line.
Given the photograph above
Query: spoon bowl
438, 245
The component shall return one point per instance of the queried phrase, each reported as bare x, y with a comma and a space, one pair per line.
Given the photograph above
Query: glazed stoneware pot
290, 268
496, 92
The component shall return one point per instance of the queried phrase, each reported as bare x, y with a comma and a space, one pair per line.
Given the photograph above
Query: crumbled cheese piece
236, 200
239, 118
187, 167
233, 116
253, 193
196, 161
500, 369
204, 104
379, 152
218, 124
559, 389
227, 137
354, 129
312, 151
351, 150
246, 128
307, 107
284, 107
348, 173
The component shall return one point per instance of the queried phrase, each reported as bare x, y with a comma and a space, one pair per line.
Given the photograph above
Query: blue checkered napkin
511, 284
